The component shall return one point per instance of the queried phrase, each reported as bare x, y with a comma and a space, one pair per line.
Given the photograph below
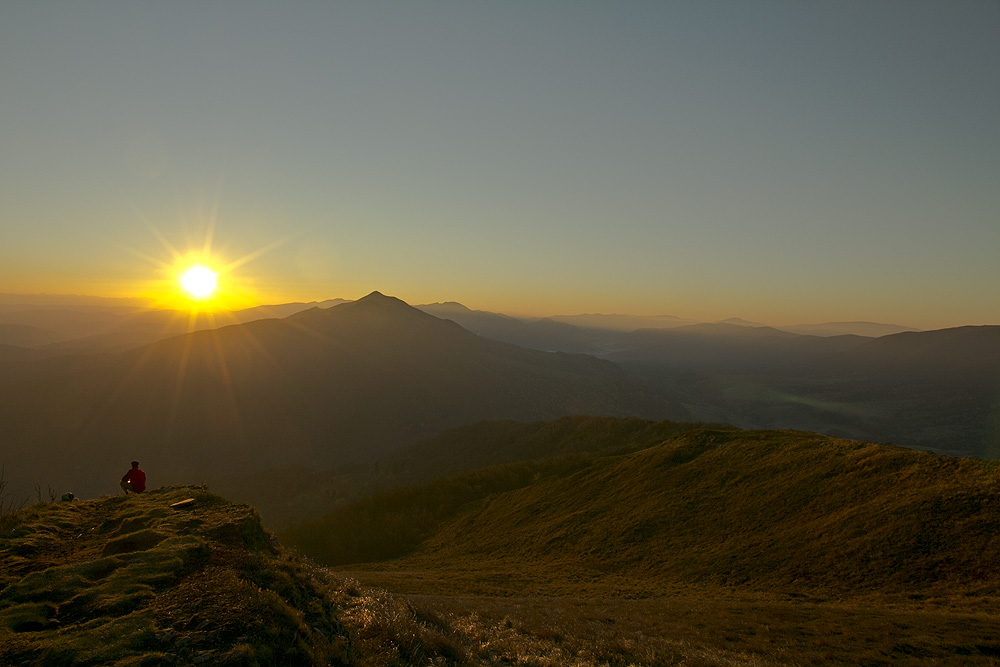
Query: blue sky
778, 161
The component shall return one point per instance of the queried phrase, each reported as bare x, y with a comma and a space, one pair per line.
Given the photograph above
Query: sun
198, 282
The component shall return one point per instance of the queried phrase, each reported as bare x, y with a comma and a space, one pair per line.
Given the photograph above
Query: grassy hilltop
131, 581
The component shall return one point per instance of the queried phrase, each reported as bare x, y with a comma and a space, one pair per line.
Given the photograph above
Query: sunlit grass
693, 626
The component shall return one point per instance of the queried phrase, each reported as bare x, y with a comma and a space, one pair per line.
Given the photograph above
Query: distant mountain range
87, 325
62, 323
920, 389
86, 387
529, 330
319, 388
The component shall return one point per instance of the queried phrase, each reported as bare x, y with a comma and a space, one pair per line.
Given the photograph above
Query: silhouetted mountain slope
115, 328
543, 334
763, 509
740, 322
25, 335
868, 329
725, 347
617, 322
493, 443
319, 388
278, 310
470, 319
289, 494
943, 348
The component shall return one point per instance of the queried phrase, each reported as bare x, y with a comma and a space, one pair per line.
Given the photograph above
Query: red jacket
137, 478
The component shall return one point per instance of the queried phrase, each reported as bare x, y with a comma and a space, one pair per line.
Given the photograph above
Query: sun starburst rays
198, 285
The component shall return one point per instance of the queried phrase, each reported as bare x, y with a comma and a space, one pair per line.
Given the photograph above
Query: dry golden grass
694, 626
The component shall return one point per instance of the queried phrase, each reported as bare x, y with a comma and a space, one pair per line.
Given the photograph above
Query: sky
783, 162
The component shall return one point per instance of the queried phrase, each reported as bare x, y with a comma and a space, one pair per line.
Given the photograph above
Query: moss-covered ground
128, 580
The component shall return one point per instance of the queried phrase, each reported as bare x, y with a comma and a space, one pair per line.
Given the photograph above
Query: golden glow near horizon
779, 188
197, 280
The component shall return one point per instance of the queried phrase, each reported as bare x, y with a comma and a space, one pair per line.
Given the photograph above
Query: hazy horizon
770, 161
71, 300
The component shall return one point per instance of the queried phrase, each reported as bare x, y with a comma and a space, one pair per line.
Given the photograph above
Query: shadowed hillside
783, 509
496, 443
956, 348
543, 334
787, 510
288, 495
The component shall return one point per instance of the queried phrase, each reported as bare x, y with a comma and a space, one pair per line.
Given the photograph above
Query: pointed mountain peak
380, 306
376, 298
377, 316
375, 304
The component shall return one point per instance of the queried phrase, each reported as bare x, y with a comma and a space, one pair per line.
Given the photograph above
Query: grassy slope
760, 508
763, 509
293, 494
394, 523
472, 463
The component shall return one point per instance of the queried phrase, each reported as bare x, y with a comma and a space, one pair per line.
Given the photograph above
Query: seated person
134, 480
